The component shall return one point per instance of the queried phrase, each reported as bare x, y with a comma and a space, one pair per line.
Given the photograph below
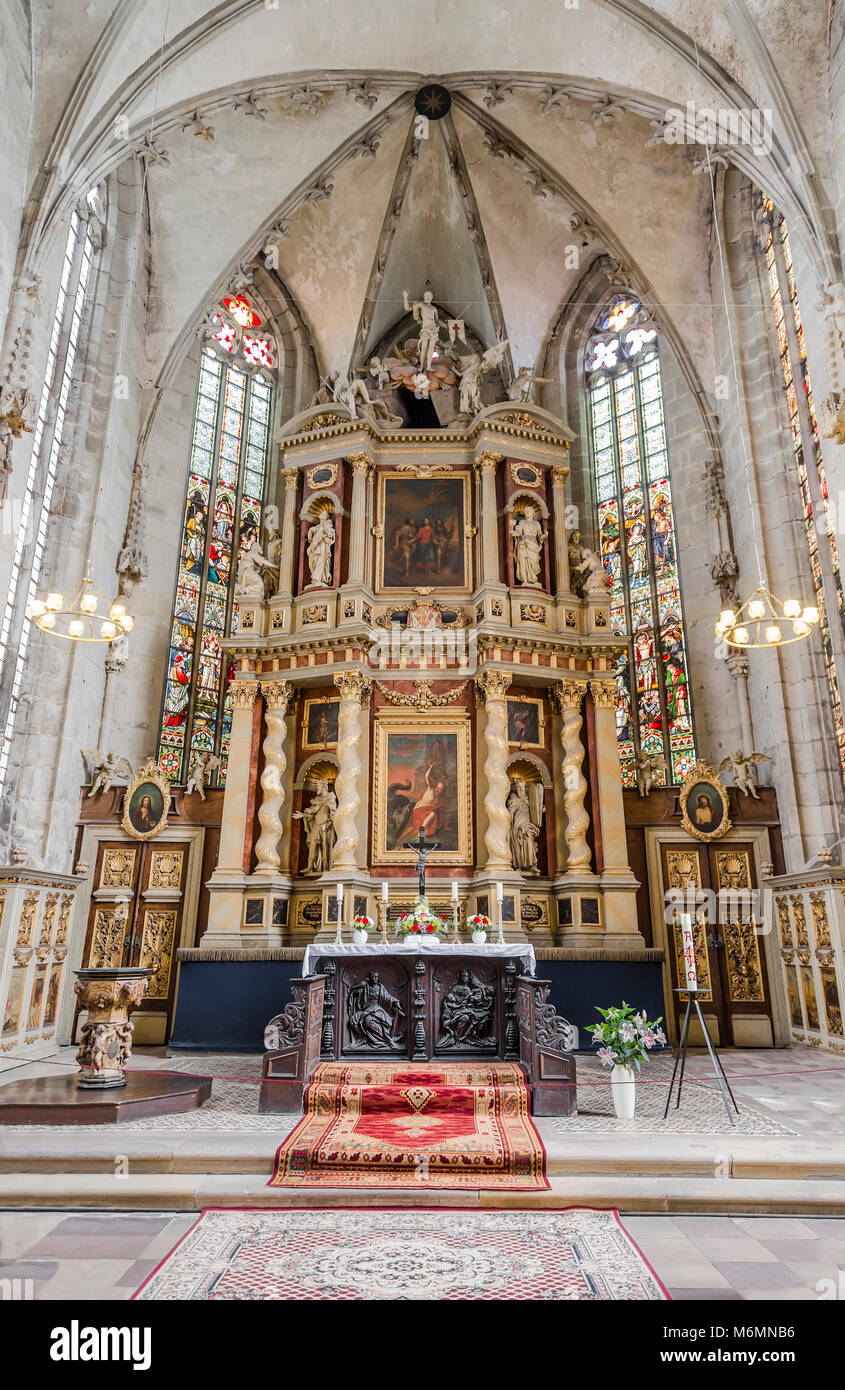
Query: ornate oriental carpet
381, 1253
387, 1125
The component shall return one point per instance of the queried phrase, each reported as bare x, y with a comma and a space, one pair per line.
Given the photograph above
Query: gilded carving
821, 929
704, 803
532, 613
64, 920
604, 694
118, 868
166, 868
157, 950
423, 696
787, 943
108, 936
315, 613
51, 903
683, 871
26, 922
243, 694
799, 917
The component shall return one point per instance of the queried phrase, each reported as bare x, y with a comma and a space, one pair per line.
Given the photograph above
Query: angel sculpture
325, 393
743, 770
106, 769
202, 766
379, 371
648, 768
472, 369
525, 808
522, 386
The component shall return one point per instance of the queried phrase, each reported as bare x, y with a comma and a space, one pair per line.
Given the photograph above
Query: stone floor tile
137, 1272
755, 1274
706, 1225
85, 1279
19, 1231
736, 1247
702, 1295
795, 1293
689, 1274
765, 1228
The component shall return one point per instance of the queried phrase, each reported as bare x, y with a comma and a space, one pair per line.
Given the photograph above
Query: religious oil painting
14, 1000
319, 723
830, 994
422, 540
421, 783
810, 1000
146, 803
704, 804
53, 985
793, 994
525, 722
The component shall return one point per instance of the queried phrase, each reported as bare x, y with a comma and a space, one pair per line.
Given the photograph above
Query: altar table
419, 945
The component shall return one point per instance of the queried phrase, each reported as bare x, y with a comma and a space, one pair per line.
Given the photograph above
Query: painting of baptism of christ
421, 782
423, 525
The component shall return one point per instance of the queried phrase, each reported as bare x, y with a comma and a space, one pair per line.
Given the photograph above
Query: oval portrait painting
146, 803
704, 804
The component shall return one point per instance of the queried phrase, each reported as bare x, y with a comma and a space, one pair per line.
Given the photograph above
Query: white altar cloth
417, 946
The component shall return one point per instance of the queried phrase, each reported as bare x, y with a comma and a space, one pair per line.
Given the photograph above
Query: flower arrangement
362, 923
626, 1037
479, 922
420, 921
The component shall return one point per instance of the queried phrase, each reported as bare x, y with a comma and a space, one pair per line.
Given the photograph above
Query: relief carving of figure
466, 1015
320, 549
525, 808
528, 538
318, 824
372, 1014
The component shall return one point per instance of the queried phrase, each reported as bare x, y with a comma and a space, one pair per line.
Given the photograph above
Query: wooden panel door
741, 950
145, 929
687, 867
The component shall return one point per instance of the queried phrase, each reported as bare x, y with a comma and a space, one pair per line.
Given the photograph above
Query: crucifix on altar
423, 849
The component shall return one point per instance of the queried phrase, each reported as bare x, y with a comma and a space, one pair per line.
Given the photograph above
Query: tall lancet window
806, 444
638, 546
225, 493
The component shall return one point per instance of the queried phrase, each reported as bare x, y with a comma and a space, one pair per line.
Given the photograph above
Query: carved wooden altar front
422, 1009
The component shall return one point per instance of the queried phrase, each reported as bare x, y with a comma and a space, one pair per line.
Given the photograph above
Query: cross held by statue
423, 849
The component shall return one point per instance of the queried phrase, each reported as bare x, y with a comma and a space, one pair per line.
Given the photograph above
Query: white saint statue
320, 548
318, 824
252, 568
526, 815
528, 537
425, 314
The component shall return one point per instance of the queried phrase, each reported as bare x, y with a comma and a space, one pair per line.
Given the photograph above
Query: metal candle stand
724, 1085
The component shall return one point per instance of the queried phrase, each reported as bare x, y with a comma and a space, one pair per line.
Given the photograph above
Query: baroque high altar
423, 644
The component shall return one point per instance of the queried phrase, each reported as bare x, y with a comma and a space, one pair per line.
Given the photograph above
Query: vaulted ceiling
300, 118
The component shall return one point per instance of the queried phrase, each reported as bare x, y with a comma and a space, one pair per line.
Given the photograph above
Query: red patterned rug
388, 1125
382, 1253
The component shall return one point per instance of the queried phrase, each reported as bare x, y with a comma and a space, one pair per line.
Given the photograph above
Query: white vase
479, 938
624, 1087
360, 938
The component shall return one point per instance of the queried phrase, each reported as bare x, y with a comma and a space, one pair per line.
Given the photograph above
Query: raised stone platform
59, 1100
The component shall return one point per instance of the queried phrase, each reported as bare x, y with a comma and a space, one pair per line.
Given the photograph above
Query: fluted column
493, 688
277, 698
361, 468
570, 695
559, 476
488, 463
288, 557
354, 687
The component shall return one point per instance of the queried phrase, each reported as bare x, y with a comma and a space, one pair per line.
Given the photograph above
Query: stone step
192, 1191
606, 1156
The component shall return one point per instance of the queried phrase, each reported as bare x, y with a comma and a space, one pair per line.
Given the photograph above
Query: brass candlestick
382, 921
456, 922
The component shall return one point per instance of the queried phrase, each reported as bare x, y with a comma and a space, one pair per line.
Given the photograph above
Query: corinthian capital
354, 685
361, 463
604, 694
291, 477
493, 685
569, 694
278, 695
488, 461
243, 694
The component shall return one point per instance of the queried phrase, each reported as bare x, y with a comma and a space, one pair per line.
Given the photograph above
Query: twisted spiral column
570, 694
277, 698
493, 688
354, 687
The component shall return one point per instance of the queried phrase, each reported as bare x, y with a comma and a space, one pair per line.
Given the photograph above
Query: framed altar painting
146, 802
704, 804
319, 723
422, 533
421, 781
525, 721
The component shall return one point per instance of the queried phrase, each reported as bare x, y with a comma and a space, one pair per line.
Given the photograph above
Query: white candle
384, 890
498, 892
454, 890
688, 947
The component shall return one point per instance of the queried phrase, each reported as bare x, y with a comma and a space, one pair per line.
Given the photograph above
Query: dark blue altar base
224, 1006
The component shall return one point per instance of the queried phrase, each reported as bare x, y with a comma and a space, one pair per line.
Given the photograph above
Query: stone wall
15, 118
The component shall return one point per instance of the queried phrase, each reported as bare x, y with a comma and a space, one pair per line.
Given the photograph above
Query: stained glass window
806, 443
637, 535
225, 492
